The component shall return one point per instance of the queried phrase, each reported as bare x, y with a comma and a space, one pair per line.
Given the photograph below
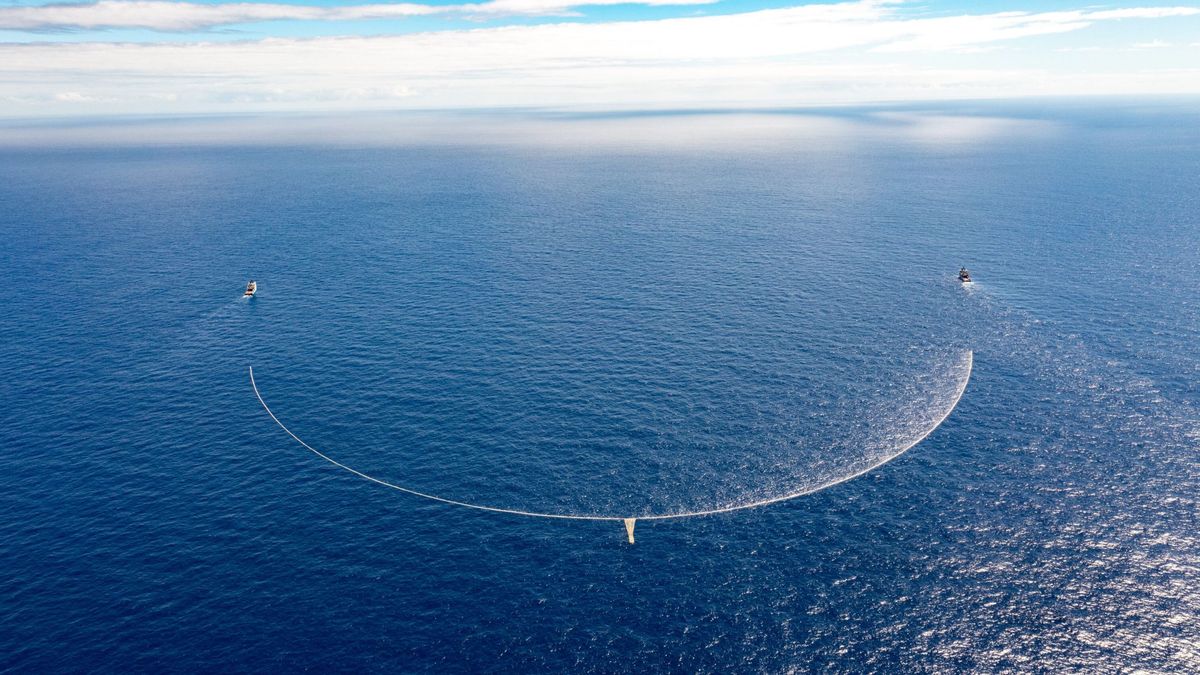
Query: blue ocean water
604, 315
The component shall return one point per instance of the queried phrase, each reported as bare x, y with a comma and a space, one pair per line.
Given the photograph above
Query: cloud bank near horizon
809, 54
160, 15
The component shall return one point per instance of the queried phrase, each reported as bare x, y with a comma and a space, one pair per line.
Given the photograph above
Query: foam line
962, 388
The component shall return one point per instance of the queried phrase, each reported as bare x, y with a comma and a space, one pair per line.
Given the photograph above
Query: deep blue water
612, 315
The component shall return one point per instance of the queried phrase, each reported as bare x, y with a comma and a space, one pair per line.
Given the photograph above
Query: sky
138, 57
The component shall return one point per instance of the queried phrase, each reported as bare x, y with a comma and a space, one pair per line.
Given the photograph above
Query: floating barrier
631, 521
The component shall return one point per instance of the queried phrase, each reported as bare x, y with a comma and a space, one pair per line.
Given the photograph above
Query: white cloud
957, 31
742, 132
823, 53
1144, 13
174, 16
73, 97
163, 15
1152, 44
551, 7
186, 16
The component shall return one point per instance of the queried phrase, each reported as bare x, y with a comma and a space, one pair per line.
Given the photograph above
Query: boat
963, 276
251, 288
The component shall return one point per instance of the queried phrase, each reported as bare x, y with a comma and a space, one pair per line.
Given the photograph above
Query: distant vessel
963, 276
251, 288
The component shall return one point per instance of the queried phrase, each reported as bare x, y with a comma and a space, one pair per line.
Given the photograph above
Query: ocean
617, 315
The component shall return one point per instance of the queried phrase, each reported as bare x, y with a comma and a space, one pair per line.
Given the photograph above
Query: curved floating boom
631, 521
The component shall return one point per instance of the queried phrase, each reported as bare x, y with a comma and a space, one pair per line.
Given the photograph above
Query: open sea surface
615, 315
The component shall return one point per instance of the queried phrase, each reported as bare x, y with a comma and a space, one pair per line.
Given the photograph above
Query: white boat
251, 288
